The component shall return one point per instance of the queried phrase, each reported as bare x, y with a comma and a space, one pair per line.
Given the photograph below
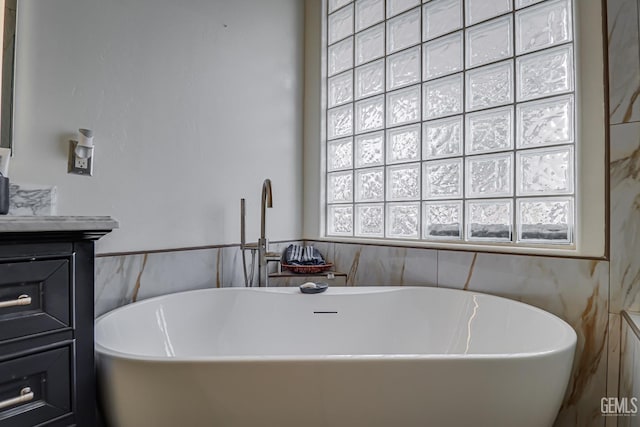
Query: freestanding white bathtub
352, 357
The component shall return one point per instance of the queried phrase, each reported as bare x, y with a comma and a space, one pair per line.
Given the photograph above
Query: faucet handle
272, 256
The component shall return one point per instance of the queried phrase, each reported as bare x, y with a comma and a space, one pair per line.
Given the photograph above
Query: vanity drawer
36, 388
35, 297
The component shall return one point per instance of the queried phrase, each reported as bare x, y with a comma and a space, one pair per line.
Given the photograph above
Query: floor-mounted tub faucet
262, 246
264, 256
267, 202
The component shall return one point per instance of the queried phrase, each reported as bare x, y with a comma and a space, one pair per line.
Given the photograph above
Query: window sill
495, 248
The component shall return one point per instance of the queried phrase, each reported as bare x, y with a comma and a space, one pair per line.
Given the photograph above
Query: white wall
193, 104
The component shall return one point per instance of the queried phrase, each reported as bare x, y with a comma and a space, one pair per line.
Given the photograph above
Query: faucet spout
263, 244
267, 202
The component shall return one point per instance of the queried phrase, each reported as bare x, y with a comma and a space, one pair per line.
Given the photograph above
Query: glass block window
451, 120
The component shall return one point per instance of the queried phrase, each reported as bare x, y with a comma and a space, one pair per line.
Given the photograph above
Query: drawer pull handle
26, 395
22, 300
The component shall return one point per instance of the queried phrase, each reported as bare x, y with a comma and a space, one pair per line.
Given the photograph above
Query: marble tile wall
613, 359
624, 174
625, 237
624, 83
123, 279
624, 61
629, 371
382, 265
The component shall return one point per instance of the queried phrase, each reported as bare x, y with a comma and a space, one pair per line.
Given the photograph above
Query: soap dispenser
4, 195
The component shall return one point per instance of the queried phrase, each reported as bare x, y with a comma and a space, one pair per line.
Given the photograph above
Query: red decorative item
307, 269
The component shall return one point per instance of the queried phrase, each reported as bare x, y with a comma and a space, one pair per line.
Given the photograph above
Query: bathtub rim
570, 345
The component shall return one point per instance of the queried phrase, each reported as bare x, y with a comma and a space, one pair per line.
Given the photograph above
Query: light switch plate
78, 165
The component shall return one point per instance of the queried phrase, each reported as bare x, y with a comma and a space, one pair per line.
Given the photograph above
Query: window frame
591, 158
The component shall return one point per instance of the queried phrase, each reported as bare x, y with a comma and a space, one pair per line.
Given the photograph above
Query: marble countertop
19, 224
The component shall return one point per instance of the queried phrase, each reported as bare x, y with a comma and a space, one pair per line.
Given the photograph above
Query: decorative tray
307, 269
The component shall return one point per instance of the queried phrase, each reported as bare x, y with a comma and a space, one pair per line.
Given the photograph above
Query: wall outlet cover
77, 165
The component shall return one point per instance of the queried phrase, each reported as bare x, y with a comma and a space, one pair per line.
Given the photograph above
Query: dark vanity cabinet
47, 370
